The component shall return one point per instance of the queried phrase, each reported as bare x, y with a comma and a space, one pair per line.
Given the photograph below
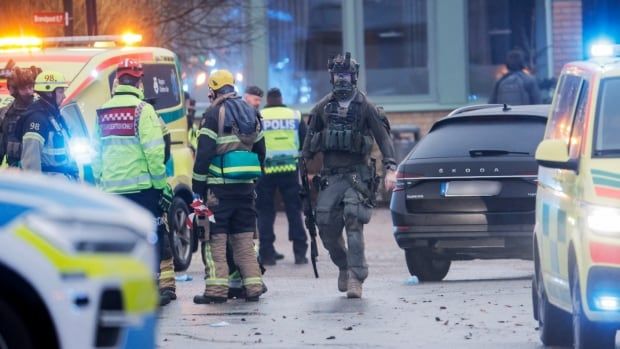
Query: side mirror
553, 153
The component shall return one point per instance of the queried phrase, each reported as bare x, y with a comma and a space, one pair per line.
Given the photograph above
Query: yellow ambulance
576, 284
89, 63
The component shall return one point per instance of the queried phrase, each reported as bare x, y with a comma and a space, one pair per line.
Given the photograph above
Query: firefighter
45, 140
230, 153
129, 160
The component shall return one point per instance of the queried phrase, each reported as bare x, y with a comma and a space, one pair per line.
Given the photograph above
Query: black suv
468, 189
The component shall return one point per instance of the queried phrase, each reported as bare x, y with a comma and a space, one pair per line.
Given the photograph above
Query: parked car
467, 190
576, 285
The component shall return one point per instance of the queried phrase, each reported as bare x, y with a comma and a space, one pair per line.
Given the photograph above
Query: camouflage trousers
340, 206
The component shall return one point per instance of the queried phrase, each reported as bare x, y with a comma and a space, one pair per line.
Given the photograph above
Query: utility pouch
203, 229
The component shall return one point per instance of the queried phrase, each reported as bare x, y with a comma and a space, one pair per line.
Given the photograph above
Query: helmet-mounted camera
343, 65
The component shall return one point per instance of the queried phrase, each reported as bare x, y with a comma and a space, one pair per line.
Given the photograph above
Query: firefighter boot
354, 287
342, 280
245, 259
216, 270
167, 283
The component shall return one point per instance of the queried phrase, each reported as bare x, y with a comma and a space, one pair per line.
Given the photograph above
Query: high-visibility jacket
129, 144
281, 130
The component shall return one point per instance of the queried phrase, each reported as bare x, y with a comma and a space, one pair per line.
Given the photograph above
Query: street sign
51, 18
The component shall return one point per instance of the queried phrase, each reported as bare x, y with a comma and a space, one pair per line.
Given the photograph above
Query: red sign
49, 18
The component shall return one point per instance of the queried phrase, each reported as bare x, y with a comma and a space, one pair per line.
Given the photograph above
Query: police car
89, 63
576, 286
74, 272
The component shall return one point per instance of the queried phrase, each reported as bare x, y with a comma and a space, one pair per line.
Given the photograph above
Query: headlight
603, 220
81, 150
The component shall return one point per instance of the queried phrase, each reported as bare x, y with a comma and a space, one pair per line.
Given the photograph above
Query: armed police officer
344, 126
21, 87
229, 158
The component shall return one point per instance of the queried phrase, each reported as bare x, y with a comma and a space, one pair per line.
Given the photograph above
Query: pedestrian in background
516, 87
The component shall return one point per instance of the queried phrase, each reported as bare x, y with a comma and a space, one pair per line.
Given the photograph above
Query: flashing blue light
602, 48
607, 303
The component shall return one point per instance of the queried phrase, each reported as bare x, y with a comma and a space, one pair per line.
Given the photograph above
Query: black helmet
340, 64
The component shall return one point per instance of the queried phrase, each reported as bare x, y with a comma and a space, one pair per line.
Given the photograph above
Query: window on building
396, 47
303, 34
496, 27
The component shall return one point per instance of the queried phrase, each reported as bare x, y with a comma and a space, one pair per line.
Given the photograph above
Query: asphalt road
481, 304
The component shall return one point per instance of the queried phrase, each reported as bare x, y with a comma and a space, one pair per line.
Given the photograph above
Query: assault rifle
310, 219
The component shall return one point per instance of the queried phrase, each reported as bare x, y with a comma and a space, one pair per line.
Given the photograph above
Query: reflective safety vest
129, 144
281, 129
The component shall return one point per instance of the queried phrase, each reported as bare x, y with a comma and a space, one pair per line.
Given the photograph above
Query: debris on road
413, 280
348, 328
331, 337
184, 277
220, 324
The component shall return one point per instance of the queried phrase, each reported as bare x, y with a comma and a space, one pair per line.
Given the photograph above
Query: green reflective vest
129, 144
281, 130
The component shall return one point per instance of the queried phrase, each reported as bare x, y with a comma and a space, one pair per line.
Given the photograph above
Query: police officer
344, 126
129, 160
253, 95
21, 88
45, 140
231, 150
283, 131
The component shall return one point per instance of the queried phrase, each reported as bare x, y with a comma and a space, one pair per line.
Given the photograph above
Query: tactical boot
354, 288
301, 259
204, 299
342, 280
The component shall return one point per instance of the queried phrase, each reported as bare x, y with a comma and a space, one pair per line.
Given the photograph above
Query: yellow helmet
221, 78
48, 81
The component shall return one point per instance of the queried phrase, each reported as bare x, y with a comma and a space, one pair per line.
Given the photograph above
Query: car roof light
131, 38
603, 48
20, 42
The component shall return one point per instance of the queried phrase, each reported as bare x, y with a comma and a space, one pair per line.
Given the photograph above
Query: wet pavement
481, 304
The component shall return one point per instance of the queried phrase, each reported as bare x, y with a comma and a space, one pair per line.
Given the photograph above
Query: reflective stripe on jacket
129, 147
281, 129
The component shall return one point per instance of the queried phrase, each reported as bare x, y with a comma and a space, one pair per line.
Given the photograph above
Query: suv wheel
180, 234
426, 266
588, 334
553, 323
13, 331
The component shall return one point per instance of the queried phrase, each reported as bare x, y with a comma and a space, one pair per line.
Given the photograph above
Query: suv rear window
457, 138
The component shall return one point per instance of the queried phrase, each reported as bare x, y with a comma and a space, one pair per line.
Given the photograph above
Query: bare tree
187, 27
198, 27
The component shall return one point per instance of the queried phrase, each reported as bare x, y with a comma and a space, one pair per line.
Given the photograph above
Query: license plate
471, 188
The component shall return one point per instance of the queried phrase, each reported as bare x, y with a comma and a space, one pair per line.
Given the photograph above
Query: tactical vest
12, 135
344, 131
234, 161
281, 129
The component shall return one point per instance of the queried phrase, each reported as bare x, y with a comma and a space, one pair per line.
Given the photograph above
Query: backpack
239, 163
511, 89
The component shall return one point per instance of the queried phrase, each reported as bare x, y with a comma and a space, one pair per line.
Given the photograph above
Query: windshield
73, 117
607, 137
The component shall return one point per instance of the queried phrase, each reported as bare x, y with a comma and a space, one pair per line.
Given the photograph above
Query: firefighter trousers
216, 266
